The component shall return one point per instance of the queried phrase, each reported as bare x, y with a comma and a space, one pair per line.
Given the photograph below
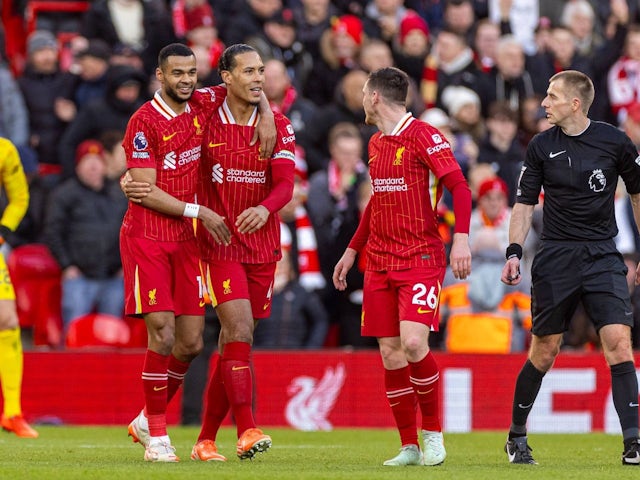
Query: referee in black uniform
577, 162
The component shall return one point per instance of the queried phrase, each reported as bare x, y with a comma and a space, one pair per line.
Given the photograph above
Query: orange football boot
251, 442
18, 425
207, 451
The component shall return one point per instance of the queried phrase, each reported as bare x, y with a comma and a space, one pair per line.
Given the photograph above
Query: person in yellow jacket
481, 315
14, 182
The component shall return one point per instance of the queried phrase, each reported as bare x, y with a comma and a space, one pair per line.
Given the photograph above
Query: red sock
216, 405
154, 384
175, 371
236, 375
402, 401
425, 378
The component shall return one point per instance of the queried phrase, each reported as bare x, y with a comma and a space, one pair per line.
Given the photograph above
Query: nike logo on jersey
213, 145
554, 155
525, 406
166, 138
631, 404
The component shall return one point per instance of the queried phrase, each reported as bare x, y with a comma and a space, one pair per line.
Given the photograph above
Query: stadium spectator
463, 105
501, 147
14, 116
126, 91
411, 45
339, 50
208, 74
277, 40
334, 211
143, 25
396, 228
81, 229
479, 314
452, 64
382, 18
485, 44
194, 21
459, 17
622, 88
518, 16
86, 79
286, 99
239, 275
40, 84
347, 107
509, 80
115, 159
249, 19
312, 18
15, 186
298, 318
577, 260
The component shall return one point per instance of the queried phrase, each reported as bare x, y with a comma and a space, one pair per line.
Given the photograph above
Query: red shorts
234, 280
391, 296
161, 276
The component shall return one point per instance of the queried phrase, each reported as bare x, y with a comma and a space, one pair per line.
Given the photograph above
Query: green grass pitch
96, 453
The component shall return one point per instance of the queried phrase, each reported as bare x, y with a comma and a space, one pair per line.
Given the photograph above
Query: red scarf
309, 276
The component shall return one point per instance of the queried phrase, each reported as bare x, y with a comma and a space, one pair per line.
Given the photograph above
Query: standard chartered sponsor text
392, 184
190, 155
245, 176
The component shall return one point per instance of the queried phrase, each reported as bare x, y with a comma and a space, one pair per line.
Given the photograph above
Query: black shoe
631, 455
519, 451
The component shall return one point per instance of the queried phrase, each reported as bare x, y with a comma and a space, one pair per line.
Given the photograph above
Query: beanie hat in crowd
412, 21
89, 147
200, 16
494, 184
349, 24
40, 39
456, 97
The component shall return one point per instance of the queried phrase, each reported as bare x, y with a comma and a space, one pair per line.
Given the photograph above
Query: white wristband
191, 210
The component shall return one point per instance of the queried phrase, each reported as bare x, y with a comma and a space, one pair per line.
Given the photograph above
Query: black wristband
514, 250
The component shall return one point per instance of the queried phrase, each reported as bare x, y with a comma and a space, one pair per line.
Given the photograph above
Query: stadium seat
36, 279
98, 330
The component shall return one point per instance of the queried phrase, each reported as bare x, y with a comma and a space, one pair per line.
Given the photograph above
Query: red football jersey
157, 137
236, 178
405, 167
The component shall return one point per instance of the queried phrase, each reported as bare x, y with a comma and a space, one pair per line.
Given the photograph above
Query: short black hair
392, 83
173, 49
228, 58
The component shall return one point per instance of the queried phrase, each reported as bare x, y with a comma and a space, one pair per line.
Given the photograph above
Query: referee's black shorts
565, 272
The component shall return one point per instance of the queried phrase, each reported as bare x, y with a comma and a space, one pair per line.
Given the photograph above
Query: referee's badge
597, 180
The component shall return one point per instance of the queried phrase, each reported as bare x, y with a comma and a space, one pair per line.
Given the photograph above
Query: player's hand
342, 268
134, 191
215, 225
266, 133
511, 272
460, 256
252, 219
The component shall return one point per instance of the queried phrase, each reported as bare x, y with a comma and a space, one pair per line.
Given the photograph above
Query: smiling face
246, 80
178, 77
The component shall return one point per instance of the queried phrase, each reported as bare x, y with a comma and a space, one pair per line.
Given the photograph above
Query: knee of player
188, 349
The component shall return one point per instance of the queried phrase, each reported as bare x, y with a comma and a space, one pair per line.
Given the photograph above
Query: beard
177, 98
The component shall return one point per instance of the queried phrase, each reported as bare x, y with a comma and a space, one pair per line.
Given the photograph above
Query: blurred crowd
479, 70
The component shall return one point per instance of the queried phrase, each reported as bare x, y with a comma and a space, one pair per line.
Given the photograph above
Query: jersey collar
163, 108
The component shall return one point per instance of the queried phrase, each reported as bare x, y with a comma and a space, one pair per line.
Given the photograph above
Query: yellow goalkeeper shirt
14, 183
